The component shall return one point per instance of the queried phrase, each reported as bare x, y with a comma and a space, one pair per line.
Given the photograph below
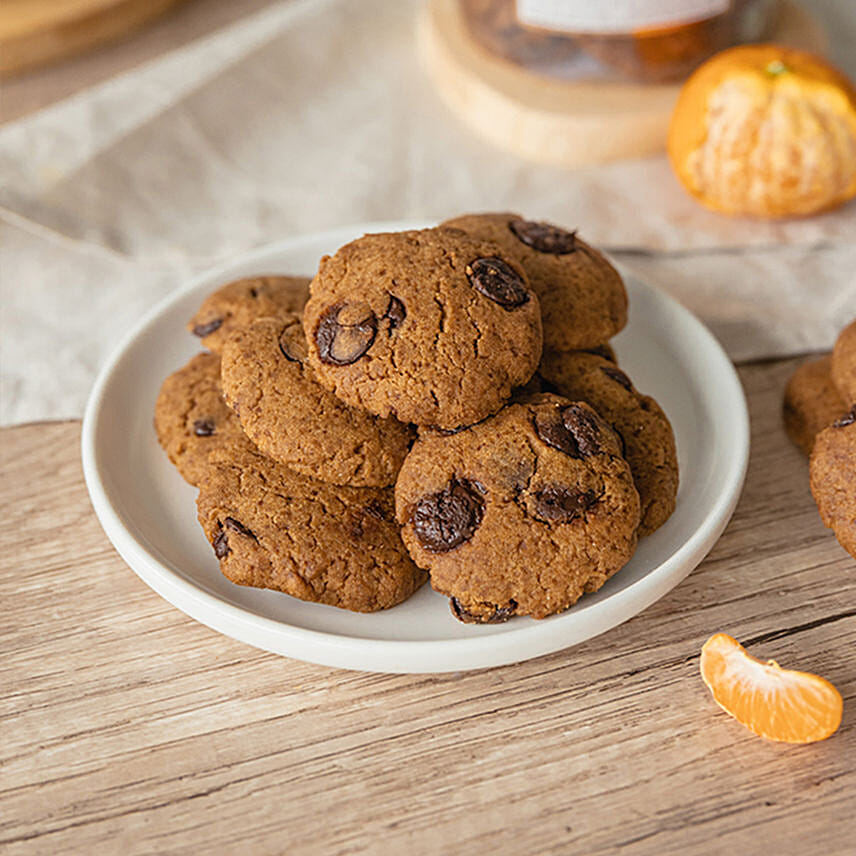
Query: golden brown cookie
273, 528
191, 418
239, 303
844, 363
522, 513
294, 420
811, 402
432, 327
649, 442
583, 301
833, 478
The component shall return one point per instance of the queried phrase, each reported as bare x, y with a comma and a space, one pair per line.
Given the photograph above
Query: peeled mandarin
766, 131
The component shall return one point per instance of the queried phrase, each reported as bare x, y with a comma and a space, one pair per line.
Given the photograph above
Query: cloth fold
314, 114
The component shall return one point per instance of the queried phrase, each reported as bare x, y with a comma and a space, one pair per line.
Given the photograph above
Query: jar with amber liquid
642, 41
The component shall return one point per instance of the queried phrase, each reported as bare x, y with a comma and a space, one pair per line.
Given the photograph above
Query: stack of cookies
442, 403
820, 417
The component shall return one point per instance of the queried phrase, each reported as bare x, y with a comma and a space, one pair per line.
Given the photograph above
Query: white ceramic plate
149, 513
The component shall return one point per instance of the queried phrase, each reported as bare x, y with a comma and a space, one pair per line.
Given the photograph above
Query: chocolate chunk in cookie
510, 521
647, 439
294, 420
583, 301
432, 326
239, 303
272, 528
191, 418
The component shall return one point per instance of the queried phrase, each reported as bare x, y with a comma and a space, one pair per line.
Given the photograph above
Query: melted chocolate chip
615, 373
846, 419
203, 427
498, 281
584, 426
220, 543
237, 526
544, 237
558, 504
494, 614
203, 330
373, 509
376, 510
571, 429
345, 333
445, 520
395, 312
254, 292
292, 343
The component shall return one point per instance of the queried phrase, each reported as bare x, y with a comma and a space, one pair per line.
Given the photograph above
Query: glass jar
644, 41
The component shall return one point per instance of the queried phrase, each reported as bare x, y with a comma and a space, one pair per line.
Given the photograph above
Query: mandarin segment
774, 703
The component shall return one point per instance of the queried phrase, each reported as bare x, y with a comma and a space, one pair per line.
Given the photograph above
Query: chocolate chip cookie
649, 442
522, 513
583, 301
191, 418
292, 419
811, 402
844, 363
833, 478
431, 327
273, 528
238, 303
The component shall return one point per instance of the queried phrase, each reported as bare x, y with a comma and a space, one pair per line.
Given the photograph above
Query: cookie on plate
294, 420
833, 478
583, 301
275, 529
191, 418
649, 442
811, 402
238, 303
844, 363
432, 327
522, 513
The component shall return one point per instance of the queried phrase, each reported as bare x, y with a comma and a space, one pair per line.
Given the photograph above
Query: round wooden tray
38, 32
557, 122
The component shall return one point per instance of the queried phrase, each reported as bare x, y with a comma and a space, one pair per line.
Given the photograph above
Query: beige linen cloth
315, 114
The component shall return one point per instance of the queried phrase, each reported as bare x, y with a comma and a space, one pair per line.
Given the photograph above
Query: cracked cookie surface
272, 528
644, 429
832, 470
843, 366
294, 420
239, 303
522, 513
192, 419
811, 402
431, 327
583, 300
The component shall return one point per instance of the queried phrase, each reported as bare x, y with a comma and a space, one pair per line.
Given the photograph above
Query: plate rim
372, 654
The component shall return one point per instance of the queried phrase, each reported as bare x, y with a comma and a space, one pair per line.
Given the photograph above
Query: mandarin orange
766, 131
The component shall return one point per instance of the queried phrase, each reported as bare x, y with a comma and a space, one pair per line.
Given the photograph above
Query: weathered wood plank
128, 726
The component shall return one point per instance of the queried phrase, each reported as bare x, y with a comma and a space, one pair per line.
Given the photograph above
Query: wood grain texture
129, 728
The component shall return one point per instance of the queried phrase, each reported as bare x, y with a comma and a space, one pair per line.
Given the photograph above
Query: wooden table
129, 728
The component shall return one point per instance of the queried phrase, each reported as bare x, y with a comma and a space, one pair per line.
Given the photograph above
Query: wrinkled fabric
314, 114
